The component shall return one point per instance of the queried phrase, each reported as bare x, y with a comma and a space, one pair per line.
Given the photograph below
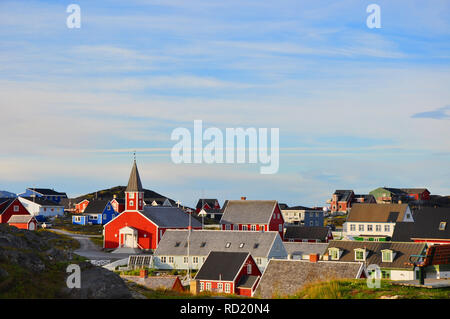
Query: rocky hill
33, 265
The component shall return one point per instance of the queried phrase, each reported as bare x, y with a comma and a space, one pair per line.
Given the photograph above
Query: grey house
174, 252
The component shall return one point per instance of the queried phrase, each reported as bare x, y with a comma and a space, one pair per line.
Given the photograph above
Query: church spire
134, 183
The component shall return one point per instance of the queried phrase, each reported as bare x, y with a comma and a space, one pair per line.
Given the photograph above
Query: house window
253, 227
185, 259
131, 203
386, 256
361, 227
387, 228
360, 254
220, 286
195, 260
208, 286
280, 227
442, 225
227, 288
258, 261
249, 269
369, 228
163, 259
227, 227
244, 227
227, 245
311, 223
105, 216
352, 227
385, 274
16, 208
235, 227
202, 286
262, 227
171, 260
241, 245
334, 253
378, 228
131, 195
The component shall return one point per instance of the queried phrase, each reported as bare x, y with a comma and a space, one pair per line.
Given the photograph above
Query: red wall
80, 207
23, 225
10, 211
243, 272
132, 219
273, 225
138, 201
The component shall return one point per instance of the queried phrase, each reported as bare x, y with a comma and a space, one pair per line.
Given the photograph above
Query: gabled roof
5, 203
47, 192
415, 190
202, 201
20, 219
286, 277
201, 242
402, 251
298, 248
41, 201
298, 208
343, 195
306, 232
425, 226
221, 265
248, 211
381, 213
96, 206
134, 183
169, 217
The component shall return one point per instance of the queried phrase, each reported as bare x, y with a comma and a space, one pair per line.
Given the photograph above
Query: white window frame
227, 288
16, 208
244, 227
253, 227
220, 287
208, 286
249, 269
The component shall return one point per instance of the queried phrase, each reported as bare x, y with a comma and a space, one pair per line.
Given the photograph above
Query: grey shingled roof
286, 277
20, 219
425, 225
305, 248
174, 242
96, 206
170, 217
248, 211
247, 281
221, 265
402, 252
306, 232
154, 282
377, 213
134, 183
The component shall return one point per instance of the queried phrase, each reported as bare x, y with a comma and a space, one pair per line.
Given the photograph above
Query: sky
356, 108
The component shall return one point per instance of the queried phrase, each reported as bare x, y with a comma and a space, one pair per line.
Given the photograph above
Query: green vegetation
65, 223
36, 273
357, 289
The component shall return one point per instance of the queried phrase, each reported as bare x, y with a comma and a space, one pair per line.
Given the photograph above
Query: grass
24, 283
357, 289
65, 223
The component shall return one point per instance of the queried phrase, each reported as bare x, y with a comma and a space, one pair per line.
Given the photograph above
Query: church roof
134, 183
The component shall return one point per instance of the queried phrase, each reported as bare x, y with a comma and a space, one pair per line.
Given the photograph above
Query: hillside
119, 191
4, 194
33, 265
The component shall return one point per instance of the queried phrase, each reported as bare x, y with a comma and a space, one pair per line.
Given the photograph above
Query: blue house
97, 212
45, 193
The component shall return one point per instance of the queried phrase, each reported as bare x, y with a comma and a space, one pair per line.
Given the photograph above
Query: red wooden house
229, 273
27, 222
253, 215
140, 227
10, 207
81, 206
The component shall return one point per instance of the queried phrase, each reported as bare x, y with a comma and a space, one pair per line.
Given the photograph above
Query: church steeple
134, 193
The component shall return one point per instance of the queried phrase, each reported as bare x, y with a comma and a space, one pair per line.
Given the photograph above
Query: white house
180, 249
375, 221
40, 207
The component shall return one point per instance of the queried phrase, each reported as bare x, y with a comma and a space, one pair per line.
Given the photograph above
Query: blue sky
357, 108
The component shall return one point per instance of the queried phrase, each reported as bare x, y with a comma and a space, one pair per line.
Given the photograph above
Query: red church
141, 227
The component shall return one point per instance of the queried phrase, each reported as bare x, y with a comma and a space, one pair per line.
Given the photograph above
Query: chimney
313, 258
243, 198
143, 273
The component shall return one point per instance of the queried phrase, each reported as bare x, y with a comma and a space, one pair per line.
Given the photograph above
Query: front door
129, 240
